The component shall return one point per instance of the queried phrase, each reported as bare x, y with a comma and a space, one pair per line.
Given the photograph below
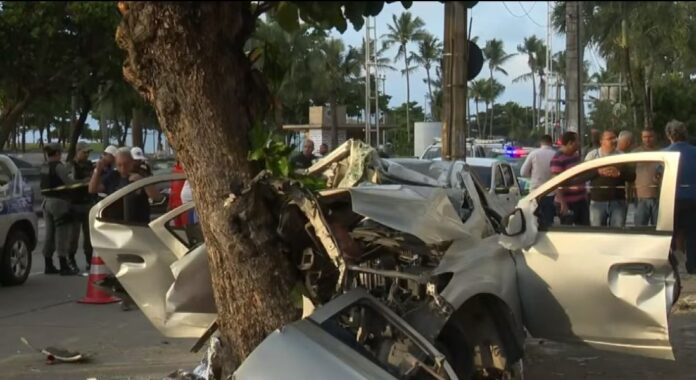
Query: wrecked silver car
425, 240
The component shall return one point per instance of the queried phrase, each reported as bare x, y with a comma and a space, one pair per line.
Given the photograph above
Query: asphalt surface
122, 345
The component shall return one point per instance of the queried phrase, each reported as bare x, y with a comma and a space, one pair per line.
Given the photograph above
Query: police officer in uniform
83, 201
56, 190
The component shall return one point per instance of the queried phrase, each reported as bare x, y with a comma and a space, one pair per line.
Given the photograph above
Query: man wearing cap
83, 201
55, 182
141, 165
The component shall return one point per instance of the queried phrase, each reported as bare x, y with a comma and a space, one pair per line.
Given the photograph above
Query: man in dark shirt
304, 159
607, 193
82, 202
685, 202
571, 196
135, 207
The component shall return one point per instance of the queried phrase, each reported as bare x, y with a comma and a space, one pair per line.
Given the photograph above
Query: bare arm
95, 184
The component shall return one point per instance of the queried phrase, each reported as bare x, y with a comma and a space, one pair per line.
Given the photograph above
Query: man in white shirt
537, 167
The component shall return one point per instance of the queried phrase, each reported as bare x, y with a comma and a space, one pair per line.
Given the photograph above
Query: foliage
401, 146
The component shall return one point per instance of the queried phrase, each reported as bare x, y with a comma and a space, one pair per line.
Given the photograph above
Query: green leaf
284, 167
287, 17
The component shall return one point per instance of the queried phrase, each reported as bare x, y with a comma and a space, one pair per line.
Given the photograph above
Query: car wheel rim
19, 258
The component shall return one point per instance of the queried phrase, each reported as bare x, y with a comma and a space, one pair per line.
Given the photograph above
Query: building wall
323, 135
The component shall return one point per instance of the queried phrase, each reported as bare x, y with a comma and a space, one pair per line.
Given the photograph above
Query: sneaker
67, 269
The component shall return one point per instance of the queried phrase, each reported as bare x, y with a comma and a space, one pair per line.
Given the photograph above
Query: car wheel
16, 259
475, 349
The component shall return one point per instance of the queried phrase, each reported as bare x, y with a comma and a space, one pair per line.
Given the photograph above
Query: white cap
138, 154
112, 150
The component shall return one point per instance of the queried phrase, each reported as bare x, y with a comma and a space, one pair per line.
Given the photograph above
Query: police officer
55, 183
83, 201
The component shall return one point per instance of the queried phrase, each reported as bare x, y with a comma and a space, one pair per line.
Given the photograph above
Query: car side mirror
514, 223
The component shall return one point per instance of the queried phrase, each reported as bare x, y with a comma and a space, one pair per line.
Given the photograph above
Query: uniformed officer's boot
73, 262
48, 266
67, 269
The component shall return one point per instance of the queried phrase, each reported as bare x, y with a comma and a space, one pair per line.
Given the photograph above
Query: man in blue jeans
647, 184
685, 202
607, 192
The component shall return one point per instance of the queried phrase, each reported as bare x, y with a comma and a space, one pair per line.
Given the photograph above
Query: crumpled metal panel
192, 290
425, 212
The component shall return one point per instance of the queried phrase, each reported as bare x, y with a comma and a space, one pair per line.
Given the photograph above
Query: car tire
475, 349
15, 263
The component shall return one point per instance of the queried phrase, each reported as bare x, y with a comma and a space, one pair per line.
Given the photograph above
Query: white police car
18, 224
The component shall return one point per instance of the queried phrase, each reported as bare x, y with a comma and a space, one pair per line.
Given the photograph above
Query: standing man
142, 167
304, 159
625, 142
572, 197
57, 211
83, 201
537, 167
647, 185
607, 193
685, 202
323, 150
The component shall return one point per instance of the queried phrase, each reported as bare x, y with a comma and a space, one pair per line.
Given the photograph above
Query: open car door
148, 258
610, 287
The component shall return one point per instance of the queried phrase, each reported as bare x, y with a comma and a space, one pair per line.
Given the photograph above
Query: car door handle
636, 269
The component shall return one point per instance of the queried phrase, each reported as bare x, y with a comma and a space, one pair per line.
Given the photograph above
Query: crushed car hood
396, 206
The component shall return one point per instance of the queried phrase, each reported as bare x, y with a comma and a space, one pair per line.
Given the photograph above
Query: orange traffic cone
97, 272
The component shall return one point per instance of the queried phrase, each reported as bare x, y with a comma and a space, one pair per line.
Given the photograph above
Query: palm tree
494, 53
429, 51
339, 69
404, 30
531, 46
477, 90
492, 91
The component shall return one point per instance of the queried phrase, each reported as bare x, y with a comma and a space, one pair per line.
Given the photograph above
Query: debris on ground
685, 304
57, 354
209, 368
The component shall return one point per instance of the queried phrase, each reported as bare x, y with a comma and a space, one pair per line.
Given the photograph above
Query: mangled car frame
446, 280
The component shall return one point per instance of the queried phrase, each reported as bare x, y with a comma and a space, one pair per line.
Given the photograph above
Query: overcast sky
509, 21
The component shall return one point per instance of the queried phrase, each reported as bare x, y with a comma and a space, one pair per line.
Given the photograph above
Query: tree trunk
138, 127
572, 68
478, 121
490, 128
24, 139
534, 96
188, 60
430, 94
124, 135
334, 122
485, 122
78, 126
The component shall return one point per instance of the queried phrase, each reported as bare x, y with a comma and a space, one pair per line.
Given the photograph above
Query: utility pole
549, 68
368, 133
574, 69
456, 54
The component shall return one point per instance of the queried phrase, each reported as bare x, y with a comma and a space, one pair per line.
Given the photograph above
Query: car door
145, 261
610, 287
501, 187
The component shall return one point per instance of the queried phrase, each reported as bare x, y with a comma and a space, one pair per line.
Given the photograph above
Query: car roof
479, 161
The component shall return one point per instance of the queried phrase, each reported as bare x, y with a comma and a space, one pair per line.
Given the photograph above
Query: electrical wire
526, 14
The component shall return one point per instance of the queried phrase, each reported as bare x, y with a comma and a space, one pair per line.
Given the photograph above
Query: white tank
424, 135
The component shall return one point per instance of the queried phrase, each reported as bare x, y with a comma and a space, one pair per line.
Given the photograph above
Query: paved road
44, 310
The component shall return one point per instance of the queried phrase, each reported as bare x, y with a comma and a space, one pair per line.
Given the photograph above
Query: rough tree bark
78, 126
187, 59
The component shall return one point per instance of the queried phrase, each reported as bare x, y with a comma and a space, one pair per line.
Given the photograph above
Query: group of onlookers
602, 198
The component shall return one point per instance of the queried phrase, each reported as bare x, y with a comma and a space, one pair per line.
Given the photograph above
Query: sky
509, 21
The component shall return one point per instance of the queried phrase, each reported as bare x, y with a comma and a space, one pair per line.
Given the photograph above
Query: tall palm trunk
478, 122
534, 96
430, 93
490, 128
